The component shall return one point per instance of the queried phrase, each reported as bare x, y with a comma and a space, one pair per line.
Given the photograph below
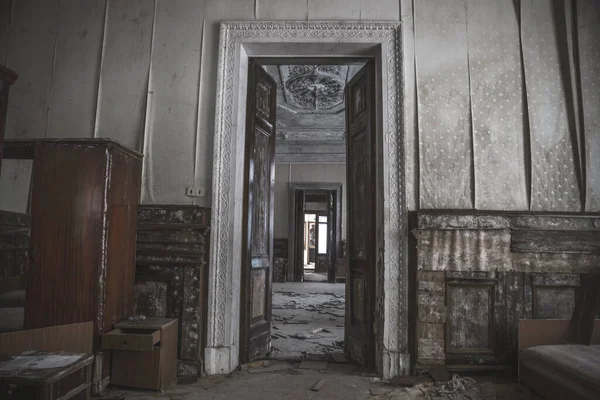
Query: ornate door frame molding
238, 42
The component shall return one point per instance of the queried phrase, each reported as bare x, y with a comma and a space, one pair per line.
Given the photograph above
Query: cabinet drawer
121, 339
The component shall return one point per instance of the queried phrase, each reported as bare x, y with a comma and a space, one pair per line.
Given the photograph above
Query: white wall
142, 72
303, 173
500, 107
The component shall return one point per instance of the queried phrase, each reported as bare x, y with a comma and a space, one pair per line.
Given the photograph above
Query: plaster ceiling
311, 91
310, 110
313, 88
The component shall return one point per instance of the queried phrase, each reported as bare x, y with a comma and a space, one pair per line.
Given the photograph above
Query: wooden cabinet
144, 353
7, 78
84, 198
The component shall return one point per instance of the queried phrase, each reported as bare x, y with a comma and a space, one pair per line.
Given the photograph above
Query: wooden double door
257, 243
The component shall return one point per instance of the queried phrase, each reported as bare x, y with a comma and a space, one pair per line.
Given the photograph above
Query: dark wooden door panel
470, 323
7, 78
361, 173
66, 236
551, 295
331, 236
300, 242
257, 251
476, 319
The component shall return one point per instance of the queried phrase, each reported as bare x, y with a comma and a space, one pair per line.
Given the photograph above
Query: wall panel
336, 10
5, 16
31, 54
76, 69
497, 104
588, 23
554, 175
216, 11
15, 185
281, 206
123, 86
167, 110
443, 105
172, 102
382, 10
479, 274
411, 138
281, 10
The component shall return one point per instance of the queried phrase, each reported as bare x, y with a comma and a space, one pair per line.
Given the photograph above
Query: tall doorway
239, 41
305, 92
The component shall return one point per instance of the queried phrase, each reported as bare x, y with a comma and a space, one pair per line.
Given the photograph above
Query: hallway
308, 320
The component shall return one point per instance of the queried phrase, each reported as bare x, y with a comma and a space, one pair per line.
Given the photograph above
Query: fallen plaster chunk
338, 357
379, 391
317, 386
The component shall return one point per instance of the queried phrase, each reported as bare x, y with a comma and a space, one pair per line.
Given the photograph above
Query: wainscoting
171, 275
477, 274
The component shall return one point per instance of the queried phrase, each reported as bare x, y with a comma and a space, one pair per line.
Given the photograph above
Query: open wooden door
361, 179
331, 236
300, 241
257, 240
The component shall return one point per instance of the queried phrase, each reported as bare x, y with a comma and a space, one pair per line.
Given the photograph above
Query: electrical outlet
195, 192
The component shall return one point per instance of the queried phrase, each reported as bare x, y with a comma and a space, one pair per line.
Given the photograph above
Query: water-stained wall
501, 98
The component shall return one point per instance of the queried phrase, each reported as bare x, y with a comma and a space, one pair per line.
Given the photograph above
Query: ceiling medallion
314, 87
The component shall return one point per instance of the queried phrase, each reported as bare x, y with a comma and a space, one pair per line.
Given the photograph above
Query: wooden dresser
7, 78
84, 199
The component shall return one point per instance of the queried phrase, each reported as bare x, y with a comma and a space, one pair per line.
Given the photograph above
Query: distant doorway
317, 252
315, 232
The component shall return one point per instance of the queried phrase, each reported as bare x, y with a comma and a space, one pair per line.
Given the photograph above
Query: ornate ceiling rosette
313, 87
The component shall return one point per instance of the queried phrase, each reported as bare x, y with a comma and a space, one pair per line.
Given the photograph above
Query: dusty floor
308, 320
311, 276
300, 313
279, 380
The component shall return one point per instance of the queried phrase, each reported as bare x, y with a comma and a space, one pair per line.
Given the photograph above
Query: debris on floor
439, 374
319, 365
337, 381
338, 357
380, 391
280, 367
308, 318
317, 386
404, 381
455, 389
